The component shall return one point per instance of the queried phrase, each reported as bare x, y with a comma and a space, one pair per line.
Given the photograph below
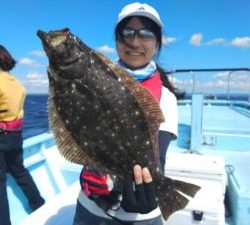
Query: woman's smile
134, 53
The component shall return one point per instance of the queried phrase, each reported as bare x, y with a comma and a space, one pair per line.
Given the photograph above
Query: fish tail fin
187, 188
171, 194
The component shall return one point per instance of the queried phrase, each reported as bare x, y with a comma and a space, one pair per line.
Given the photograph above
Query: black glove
140, 199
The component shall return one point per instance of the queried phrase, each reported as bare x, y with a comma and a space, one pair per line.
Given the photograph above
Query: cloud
216, 41
38, 53
34, 75
241, 42
237, 75
36, 82
221, 75
28, 62
238, 42
106, 49
196, 39
168, 40
239, 83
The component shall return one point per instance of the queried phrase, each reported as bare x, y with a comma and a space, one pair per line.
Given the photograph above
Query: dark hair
7, 62
166, 82
151, 25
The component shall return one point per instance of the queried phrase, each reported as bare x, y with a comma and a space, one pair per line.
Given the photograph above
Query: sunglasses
143, 33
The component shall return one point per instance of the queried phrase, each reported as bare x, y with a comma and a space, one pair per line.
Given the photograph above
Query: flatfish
101, 117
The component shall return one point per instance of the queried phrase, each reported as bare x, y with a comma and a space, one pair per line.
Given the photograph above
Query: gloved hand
140, 199
95, 183
104, 189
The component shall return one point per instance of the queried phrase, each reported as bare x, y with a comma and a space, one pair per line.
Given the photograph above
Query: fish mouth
43, 36
54, 38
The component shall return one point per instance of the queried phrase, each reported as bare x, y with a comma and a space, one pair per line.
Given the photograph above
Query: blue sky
197, 34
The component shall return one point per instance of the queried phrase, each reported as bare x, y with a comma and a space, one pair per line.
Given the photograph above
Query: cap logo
141, 8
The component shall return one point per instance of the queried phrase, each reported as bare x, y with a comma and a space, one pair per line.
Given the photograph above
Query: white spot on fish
137, 113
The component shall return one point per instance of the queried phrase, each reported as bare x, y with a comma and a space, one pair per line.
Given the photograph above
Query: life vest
154, 85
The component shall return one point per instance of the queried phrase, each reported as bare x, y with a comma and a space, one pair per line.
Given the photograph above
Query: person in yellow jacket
12, 97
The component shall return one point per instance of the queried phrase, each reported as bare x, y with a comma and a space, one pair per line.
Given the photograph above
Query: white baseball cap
140, 9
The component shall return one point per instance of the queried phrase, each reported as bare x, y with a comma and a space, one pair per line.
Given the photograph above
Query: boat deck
220, 117
225, 132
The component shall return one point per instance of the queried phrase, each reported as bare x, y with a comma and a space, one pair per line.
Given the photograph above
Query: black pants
84, 217
11, 160
164, 139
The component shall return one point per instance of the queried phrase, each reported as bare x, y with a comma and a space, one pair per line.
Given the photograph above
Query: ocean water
35, 115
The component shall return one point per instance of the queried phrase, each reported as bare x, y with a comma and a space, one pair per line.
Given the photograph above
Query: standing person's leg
4, 204
164, 139
14, 161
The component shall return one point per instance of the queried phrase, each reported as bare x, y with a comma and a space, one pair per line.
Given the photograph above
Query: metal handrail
207, 70
231, 70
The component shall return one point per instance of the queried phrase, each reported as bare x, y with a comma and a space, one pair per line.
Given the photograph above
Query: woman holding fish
138, 35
